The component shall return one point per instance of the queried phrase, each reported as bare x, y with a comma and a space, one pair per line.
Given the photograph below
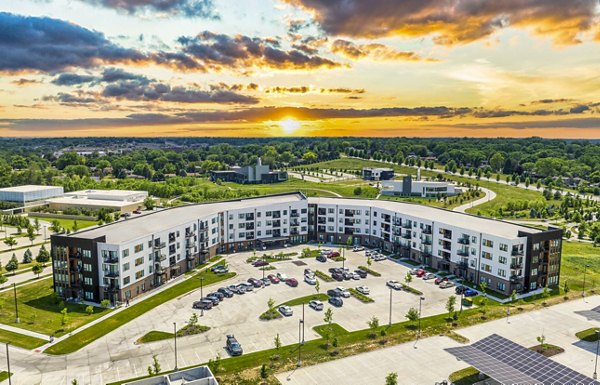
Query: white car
428, 276
394, 284
343, 292
311, 280
317, 305
358, 248
355, 276
286, 310
282, 276
367, 253
379, 257
446, 284
363, 290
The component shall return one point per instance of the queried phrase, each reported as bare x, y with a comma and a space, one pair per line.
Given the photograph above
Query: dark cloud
374, 51
45, 44
71, 79
26, 82
551, 101
188, 8
78, 98
579, 109
306, 89
452, 21
218, 52
111, 75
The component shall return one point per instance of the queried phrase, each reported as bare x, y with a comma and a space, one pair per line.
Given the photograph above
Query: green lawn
306, 299
589, 335
154, 335
85, 337
4, 375
575, 255
20, 340
467, 376
39, 310
68, 223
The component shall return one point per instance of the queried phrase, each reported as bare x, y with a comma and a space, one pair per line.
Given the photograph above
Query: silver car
311, 280
317, 305
286, 310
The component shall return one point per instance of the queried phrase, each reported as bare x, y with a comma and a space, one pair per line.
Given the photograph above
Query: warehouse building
24, 195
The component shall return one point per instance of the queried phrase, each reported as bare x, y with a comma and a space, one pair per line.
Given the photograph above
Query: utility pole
595, 365
175, 335
421, 299
16, 304
584, 271
8, 365
300, 325
390, 321
201, 295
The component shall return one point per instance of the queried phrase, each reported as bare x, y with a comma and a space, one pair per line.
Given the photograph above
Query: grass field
575, 255
589, 335
85, 337
4, 375
40, 312
20, 340
154, 335
68, 223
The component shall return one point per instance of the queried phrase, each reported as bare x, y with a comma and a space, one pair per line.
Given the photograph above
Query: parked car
333, 254
205, 304
347, 275
394, 284
236, 289
428, 276
125, 215
413, 271
282, 276
325, 252
420, 273
355, 276
361, 273
311, 280
335, 270
242, 288
343, 291
260, 263
309, 272
321, 258
217, 267
286, 310
293, 282
439, 280
336, 301
358, 248
219, 295
247, 286
460, 289
337, 276
446, 284
334, 293
233, 346
215, 300
470, 293
363, 290
317, 305
221, 270
273, 278
255, 282
226, 292
379, 257
137, 211
265, 281
368, 253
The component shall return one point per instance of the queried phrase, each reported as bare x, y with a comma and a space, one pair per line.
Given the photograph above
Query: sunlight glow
289, 125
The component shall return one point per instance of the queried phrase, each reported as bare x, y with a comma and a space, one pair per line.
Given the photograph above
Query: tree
412, 315
542, 339
36, 225
3, 279
277, 342
31, 234
27, 256
369, 262
37, 269
75, 226
545, 292
264, 373
149, 203
12, 265
391, 379
271, 303
328, 318
408, 278
105, 303
74, 382
482, 288
513, 296
450, 304
154, 368
65, 317
373, 325
215, 365
55, 227
193, 321
10, 242
43, 255
89, 310
317, 286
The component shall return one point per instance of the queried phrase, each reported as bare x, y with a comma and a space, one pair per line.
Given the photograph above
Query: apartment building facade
126, 258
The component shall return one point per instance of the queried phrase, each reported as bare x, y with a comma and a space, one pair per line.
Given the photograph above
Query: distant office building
377, 173
418, 188
200, 375
258, 173
118, 200
29, 193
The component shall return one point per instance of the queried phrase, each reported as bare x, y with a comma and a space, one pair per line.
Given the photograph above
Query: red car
260, 263
333, 254
439, 280
293, 282
273, 278
420, 273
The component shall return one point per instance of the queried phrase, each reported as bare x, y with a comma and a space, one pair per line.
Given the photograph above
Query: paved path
428, 363
489, 195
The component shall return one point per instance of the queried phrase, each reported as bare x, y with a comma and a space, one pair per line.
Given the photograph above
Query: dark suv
204, 304
233, 346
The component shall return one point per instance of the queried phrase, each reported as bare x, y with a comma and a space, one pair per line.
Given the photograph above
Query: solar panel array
511, 363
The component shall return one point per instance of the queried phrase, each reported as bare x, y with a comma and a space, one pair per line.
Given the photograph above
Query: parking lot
239, 315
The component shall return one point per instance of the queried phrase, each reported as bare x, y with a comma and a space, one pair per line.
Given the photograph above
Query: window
269, 214
486, 255
487, 268
139, 261
503, 247
501, 286
125, 253
138, 248
88, 295
488, 243
474, 239
126, 280
331, 211
126, 266
241, 216
502, 273
533, 272
139, 274
87, 267
87, 281
230, 217
86, 253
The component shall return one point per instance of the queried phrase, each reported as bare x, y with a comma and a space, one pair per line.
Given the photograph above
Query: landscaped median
20, 340
360, 296
191, 328
273, 313
372, 272
589, 335
323, 276
86, 336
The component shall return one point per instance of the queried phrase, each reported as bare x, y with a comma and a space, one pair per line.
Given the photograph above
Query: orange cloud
374, 50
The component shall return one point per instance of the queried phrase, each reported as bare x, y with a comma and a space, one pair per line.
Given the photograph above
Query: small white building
418, 188
29, 193
118, 200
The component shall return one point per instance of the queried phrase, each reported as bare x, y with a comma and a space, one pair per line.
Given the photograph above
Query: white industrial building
25, 194
117, 200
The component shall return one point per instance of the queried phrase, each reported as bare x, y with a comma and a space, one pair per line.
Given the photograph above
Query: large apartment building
126, 258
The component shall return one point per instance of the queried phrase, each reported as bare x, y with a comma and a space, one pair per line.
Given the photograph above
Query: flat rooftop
141, 226
29, 188
113, 193
434, 214
108, 203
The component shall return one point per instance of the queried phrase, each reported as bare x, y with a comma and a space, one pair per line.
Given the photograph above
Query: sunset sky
438, 68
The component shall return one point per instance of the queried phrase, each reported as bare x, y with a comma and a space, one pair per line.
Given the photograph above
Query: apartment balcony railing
407, 235
427, 230
160, 258
514, 279
294, 215
111, 274
111, 288
463, 265
159, 269
462, 252
189, 234
406, 225
517, 252
111, 259
464, 241
426, 241
160, 245
516, 266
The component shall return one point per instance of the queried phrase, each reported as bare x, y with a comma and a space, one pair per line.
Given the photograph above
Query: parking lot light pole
8, 365
16, 304
201, 295
421, 299
300, 325
390, 321
584, 271
462, 293
595, 365
175, 335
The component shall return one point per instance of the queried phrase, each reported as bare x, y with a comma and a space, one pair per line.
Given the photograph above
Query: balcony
294, 214
407, 235
111, 273
464, 241
462, 252
406, 225
160, 258
294, 223
463, 265
294, 232
111, 288
427, 231
159, 270
426, 241
322, 221
160, 245
189, 234
516, 252
190, 256
349, 213
171, 238
113, 259
75, 256
249, 217
516, 266
514, 279
446, 234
